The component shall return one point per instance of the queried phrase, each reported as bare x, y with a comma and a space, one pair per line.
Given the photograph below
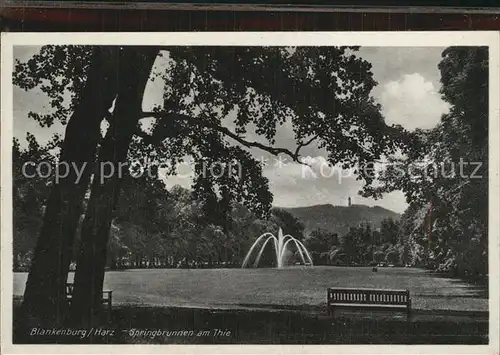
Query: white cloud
153, 94
412, 102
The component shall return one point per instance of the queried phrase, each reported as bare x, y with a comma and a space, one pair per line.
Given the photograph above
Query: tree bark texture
44, 298
134, 68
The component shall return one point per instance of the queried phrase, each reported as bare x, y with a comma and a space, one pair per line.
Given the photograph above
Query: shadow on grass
478, 285
162, 325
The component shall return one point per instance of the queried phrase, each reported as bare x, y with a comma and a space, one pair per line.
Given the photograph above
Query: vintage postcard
250, 192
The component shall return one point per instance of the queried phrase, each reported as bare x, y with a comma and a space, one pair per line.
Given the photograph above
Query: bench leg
408, 314
109, 307
331, 311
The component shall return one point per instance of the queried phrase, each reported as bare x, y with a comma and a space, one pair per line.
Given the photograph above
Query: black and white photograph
250, 189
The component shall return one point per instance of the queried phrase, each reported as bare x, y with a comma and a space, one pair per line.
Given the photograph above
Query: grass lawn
294, 286
273, 306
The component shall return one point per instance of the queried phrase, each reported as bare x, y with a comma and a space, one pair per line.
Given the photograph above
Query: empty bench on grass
376, 299
106, 296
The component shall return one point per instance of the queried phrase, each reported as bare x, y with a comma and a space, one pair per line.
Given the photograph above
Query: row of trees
362, 245
174, 229
152, 227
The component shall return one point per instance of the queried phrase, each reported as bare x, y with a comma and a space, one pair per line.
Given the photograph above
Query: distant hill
339, 219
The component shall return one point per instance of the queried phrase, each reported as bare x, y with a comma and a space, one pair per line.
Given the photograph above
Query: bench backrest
368, 296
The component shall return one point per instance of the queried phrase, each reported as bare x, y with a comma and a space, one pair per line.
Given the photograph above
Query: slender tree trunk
44, 298
133, 73
114, 262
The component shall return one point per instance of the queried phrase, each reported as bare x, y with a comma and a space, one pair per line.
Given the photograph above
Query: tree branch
302, 145
223, 130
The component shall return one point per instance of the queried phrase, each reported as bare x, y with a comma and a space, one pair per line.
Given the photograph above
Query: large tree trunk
44, 298
134, 69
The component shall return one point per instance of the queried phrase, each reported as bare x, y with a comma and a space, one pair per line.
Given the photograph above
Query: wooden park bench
106, 297
375, 299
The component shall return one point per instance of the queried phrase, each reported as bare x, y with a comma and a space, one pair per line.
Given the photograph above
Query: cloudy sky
408, 91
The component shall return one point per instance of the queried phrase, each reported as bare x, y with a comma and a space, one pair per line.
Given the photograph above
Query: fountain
280, 245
